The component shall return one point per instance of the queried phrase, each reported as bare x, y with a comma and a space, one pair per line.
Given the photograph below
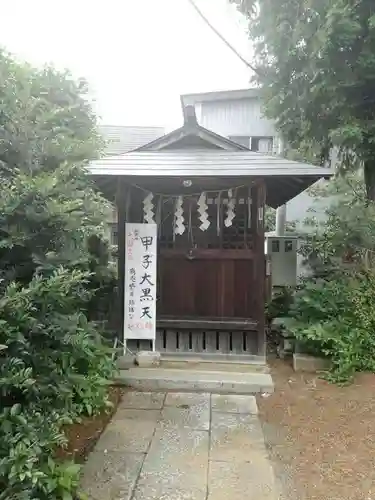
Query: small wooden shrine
207, 196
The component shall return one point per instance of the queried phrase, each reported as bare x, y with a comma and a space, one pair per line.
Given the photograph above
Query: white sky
138, 55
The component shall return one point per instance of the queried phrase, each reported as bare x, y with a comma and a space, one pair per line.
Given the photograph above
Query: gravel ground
321, 437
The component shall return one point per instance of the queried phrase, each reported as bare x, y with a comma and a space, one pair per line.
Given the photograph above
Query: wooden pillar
121, 195
260, 266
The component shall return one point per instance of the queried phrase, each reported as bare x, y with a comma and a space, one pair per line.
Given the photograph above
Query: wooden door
211, 283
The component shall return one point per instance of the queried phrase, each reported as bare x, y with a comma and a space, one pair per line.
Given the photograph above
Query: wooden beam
208, 254
260, 266
121, 195
224, 324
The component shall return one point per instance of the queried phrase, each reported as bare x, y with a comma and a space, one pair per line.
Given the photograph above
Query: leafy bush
280, 304
55, 368
332, 314
61, 353
336, 317
28, 438
54, 364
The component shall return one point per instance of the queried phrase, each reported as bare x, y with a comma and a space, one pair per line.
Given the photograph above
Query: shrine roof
284, 178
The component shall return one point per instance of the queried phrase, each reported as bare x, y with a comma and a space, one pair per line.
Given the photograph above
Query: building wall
236, 117
244, 117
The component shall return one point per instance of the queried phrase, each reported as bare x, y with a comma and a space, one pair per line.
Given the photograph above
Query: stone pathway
181, 446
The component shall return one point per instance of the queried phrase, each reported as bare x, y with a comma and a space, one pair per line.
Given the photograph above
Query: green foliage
316, 64
336, 316
348, 233
26, 464
54, 364
332, 313
280, 303
51, 340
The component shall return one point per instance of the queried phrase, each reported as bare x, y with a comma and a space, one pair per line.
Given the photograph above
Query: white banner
140, 281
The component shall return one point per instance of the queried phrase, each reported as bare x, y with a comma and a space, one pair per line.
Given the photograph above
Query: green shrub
28, 438
47, 335
337, 318
55, 366
280, 304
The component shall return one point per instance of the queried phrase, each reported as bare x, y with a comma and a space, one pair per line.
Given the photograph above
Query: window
113, 234
275, 246
258, 144
288, 246
244, 140
261, 144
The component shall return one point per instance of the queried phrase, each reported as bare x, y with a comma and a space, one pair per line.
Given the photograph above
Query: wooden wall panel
204, 287
245, 291
177, 281
226, 288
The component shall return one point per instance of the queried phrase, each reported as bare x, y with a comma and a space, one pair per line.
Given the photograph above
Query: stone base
147, 359
189, 380
125, 362
307, 363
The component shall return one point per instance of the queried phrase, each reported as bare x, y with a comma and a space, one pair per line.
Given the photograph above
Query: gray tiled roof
203, 163
121, 139
284, 178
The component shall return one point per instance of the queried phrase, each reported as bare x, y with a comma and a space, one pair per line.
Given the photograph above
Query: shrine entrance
210, 264
206, 195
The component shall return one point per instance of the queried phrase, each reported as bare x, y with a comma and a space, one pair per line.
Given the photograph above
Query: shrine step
217, 382
203, 361
211, 358
205, 365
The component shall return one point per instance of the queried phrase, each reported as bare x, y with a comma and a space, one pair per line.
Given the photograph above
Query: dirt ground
83, 436
321, 437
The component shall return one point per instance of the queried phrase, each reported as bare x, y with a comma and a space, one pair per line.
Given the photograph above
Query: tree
49, 206
270, 221
348, 233
54, 364
315, 60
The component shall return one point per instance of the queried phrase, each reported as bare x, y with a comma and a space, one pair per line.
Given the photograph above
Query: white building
238, 115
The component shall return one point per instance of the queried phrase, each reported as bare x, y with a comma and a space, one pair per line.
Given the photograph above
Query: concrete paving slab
228, 403
142, 400
127, 435
156, 493
111, 476
145, 415
177, 460
158, 452
181, 399
186, 410
236, 438
239, 481
194, 417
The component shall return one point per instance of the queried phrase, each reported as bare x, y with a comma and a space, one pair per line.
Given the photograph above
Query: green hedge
55, 368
